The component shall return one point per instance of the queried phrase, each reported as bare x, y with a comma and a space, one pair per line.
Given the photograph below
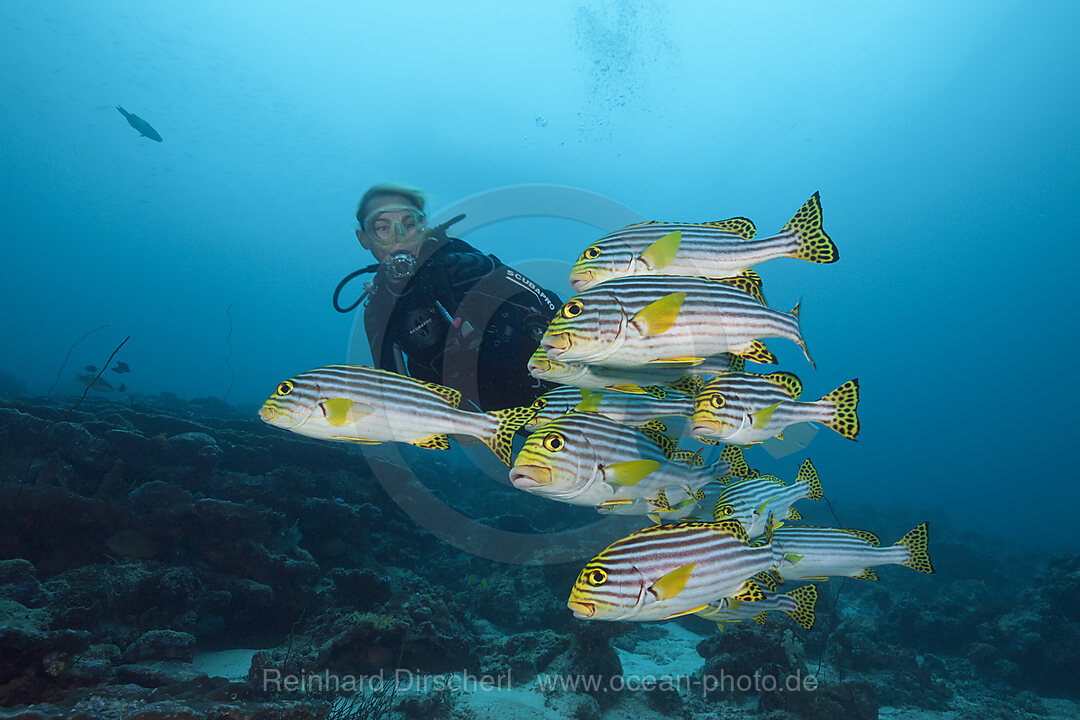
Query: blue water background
942, 136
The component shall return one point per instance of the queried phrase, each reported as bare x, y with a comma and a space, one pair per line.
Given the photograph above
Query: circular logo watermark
396, 473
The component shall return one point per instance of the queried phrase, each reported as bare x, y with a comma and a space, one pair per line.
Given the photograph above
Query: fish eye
572, 309
540, 404
285, 388
597, 577
591, 253
727, 510
717, 401
554, 442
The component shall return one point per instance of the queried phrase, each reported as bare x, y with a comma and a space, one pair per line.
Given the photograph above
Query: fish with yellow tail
821, 553
743, 409
649, 321
625, 408
666, 571
753, 501
360, 404
799, 604
718, 249
588, 459
636, 381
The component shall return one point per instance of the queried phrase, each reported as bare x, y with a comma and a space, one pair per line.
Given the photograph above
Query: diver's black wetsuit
463, 320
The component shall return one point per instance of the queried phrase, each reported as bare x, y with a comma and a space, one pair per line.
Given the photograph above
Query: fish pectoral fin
761, 418
343, 411
691, 611
658, 316
435, 442
590, 403
662, 252
630, 472
673, 582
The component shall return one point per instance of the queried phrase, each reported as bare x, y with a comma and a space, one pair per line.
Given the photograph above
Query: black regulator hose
345, 281
439, 231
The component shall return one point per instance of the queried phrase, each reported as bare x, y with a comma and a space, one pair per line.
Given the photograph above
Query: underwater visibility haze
181, 182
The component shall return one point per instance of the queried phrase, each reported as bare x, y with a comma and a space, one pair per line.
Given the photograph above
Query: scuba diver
441, 311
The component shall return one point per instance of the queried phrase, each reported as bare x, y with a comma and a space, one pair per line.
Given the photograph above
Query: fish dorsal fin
751, 275
793, 514
689, 384
773, 479
654, 425
662, 252
657, 391
734, 528
737, 363
630, 472
788, 382
865, 535
450, 395
744, 284
658, 316
673, 582
743, 227
661, 501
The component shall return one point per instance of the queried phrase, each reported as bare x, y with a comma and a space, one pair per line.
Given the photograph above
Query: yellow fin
635, 389
805, 598
917, 542
746, 285
678, 361
508, 422
662, 252
435, 442
672, 583
809, 475
629, 473
353, 440
337, 411
845, 400
815, 245
450, 395
788, 382
590, 403
761, 418
743, 227
757, 352
658, 316
751, 592
699, 608
761, 618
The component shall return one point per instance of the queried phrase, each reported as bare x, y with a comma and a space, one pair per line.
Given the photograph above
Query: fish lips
530, 477
556, 344
582, 610
581, 280
705, 428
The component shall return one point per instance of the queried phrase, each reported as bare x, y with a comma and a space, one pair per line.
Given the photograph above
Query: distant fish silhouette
139, 124
97, 384
121, 367
90, 369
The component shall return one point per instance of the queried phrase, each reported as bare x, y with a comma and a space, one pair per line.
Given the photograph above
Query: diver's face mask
396, 224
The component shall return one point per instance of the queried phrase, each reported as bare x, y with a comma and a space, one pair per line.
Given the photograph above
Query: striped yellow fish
743, 409
359, 404
753, 501
656, 320
666, 571
713, 249
800, 604
639, 381
821, 553
633, 410
588, 459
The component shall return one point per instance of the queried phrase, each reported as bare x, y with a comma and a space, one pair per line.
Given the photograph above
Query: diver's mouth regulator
401, 266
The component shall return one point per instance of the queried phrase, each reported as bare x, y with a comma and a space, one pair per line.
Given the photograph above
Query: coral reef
135, 537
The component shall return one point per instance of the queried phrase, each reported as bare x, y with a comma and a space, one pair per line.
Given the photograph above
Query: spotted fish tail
845, 400
815, 245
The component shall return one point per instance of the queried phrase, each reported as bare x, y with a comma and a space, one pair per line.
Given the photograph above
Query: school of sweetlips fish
651, 350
